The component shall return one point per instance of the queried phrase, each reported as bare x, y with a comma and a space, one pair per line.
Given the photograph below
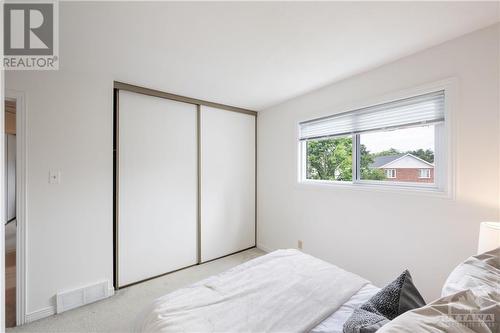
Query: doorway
10, 211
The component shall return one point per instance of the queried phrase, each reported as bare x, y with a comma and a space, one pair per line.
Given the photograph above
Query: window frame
444, 176
427, 174
390, 177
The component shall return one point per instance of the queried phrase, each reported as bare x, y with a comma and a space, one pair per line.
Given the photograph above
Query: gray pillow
364, 321
396, 298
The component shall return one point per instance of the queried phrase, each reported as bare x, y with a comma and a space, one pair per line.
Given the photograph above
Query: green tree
426, 155
366, 159
330, 159
389, 152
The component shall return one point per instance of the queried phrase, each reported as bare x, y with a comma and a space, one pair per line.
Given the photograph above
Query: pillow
364, 321
463, 312
480, 274
396, 298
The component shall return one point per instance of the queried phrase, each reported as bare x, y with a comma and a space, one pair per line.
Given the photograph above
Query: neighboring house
405, 168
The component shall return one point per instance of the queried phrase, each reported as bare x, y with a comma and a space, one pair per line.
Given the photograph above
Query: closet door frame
120, 86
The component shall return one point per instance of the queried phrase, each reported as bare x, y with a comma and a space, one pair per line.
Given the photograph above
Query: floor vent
71, 299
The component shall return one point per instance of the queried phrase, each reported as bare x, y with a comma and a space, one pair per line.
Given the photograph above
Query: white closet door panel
227, 182
157, 228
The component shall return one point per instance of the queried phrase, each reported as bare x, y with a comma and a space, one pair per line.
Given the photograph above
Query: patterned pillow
364, 321
396, 298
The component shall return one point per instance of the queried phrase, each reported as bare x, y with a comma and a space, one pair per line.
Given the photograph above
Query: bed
282, 291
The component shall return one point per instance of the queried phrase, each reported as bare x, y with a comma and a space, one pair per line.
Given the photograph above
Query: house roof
383, 160
386, 161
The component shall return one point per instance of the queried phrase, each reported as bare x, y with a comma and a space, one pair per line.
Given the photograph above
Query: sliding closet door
157, 186
227, 182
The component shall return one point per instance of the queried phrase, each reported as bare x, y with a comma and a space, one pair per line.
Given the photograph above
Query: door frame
21, 200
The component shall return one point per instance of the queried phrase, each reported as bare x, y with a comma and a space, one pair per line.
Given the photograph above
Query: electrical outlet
300, 244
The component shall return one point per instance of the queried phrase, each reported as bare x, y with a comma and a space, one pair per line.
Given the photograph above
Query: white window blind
417, 110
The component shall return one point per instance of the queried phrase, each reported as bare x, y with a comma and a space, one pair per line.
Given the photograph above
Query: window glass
425, 173
402, 155
390, 173
329, 159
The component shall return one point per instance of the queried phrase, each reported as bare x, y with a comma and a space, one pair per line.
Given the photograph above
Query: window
390, 173
425, 173
329, 159
393, 143
402, 153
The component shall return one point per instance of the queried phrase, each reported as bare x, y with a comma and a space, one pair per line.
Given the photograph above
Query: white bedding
335, 323
283, 291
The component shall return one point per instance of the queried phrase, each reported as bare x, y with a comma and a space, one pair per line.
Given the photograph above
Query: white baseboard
264, 248
39, 314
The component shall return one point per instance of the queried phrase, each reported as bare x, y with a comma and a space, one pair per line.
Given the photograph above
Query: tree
389, 152
330, 159
426, 155
366, 159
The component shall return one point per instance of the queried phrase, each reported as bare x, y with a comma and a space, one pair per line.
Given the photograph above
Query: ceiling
257, 54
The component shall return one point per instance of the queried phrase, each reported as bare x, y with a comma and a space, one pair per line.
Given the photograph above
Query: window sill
419, 189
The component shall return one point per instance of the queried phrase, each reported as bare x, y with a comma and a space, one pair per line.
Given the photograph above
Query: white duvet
335, 323
283, 291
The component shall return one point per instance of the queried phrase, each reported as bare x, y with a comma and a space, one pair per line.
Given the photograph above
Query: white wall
69, 128
69, 225
378, 234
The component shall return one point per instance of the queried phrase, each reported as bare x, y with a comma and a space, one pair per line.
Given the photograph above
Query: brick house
405, 168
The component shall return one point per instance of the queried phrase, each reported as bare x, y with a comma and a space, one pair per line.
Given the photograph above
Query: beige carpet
119, 313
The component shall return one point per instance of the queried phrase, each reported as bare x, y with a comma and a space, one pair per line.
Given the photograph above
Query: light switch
54, 177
